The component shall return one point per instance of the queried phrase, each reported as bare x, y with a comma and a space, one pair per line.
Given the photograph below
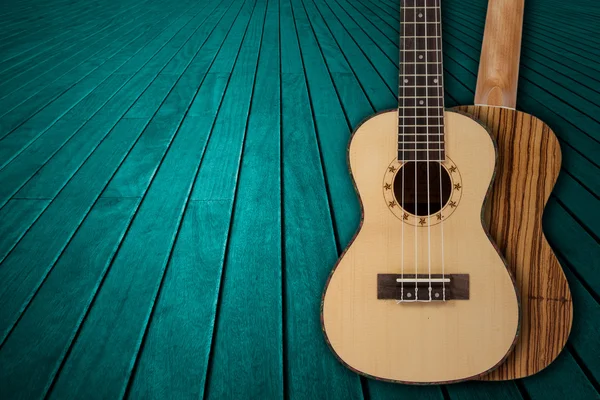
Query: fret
419, 136
420, 3
435, 131
421, 91
420, 43
419, 15
411, 30
420, 155
419, 79
425, 102
421, 69
411, 55
421, 112
410, 126
407, 121
420, 146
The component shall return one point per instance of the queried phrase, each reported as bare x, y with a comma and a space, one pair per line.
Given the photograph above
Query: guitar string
403, 78
415, 160
426, 27
440, 73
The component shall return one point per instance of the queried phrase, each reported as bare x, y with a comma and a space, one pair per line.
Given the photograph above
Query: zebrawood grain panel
529, 161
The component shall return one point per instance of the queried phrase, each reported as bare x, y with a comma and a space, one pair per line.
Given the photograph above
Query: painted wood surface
174, 189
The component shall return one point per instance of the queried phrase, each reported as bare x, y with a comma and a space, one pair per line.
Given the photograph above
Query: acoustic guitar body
529, 160
457, 330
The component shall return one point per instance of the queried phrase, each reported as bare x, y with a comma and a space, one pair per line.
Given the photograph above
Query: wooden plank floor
174, 189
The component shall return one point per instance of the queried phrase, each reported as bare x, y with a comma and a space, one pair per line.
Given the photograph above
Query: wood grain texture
499, 66
423, 342
308, 257
529, 163
59, 307
344, 69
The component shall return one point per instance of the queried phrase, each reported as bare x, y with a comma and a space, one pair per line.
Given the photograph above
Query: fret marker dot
406, 81
421, 57
421, 102
435, 81
420, 15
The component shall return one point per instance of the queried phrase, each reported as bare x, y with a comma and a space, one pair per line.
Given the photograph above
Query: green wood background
174, 190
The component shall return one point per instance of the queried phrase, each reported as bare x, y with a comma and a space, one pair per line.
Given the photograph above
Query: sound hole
421, 187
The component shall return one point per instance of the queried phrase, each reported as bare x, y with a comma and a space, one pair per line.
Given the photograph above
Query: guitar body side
431, 342
529, 163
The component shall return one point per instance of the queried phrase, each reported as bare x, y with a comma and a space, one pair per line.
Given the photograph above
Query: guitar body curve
529, 163
421, 342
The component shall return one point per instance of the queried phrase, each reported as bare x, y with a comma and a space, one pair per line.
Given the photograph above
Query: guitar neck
499, 63
420, 88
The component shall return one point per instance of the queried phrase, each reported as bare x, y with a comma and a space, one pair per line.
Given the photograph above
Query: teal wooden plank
360, 77
484, 390
224, 149
580, 168
356, 45
379, 390
29, 58
152, 98
584, 340
383, 12
580, 250
372, 12
35, 80
185, 311
310, 246
332, 129
141, 164
253, 266
210, 221
145, 42
50, 178
27, 162
17, 172
155, 225
36, 38
138, 169
25, 268
122, 307
74, 82
15, 218
551, 383
33, 352
32, 72
580, 202
356, 11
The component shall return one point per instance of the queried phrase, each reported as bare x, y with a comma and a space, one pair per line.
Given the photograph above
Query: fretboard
420, 88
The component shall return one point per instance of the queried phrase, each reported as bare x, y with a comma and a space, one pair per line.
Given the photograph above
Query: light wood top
499, 63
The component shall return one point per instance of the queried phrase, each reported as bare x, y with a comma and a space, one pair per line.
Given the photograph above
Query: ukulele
529, 163
421, 295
